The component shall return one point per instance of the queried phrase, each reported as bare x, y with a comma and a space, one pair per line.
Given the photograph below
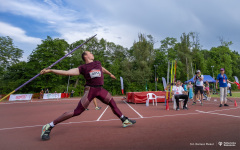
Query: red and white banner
121, 79
51, 95
20, 97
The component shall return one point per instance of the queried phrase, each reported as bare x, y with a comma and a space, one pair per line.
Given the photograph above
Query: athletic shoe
220, 105
98, 108
194, 103
185, 108
127, 122
86, 109
46, 129
226, 105
177, 109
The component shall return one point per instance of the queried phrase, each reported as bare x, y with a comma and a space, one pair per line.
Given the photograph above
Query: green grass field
234, 94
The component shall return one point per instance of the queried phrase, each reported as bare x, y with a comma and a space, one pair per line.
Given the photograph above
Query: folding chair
151, 96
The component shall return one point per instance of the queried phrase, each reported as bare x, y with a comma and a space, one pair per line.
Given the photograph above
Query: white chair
175, 104
151, 96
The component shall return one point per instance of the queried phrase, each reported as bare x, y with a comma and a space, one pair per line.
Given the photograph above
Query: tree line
134, 64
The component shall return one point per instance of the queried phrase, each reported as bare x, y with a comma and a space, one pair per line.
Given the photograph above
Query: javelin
48, 67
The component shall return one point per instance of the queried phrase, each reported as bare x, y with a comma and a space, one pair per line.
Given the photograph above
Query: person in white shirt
229, 88
179, 93
198, 86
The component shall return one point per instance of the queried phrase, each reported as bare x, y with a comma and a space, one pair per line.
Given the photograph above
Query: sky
28, 22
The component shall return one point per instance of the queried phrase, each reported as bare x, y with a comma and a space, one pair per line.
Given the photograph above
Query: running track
156, 128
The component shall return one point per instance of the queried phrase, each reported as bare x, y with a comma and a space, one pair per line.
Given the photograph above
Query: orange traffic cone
235, 103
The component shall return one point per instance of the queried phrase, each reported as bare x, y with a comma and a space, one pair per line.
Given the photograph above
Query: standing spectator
199, 86
222, 79
190, 89
229, 88
47, 91
72, 92
185, 87
208, 91
179, 93
41, 94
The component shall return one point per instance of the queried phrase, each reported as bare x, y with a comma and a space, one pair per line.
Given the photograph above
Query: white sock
51, 124
121, 117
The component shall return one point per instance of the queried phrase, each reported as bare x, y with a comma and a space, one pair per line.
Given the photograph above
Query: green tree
48, 52
137, 69
9, 54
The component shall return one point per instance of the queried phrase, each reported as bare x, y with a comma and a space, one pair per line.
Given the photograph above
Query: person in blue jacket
223, 80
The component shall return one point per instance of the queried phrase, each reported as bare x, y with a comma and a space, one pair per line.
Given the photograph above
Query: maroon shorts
100, 93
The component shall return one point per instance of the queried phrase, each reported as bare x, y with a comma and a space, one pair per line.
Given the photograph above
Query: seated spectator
179, 93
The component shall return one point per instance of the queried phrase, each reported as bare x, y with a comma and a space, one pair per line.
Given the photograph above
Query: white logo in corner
220, 143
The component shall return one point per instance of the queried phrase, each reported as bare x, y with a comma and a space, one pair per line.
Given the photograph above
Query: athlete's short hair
83, 54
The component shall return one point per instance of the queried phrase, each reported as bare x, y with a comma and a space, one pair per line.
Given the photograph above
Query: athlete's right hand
44, 71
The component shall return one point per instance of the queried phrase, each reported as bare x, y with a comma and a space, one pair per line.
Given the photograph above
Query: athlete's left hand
112, 76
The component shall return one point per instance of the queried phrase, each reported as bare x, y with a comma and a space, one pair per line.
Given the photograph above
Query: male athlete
93, 73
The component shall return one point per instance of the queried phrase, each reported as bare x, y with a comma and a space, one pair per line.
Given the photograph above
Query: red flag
237, 85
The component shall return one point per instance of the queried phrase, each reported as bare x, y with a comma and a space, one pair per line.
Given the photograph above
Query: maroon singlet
92, 72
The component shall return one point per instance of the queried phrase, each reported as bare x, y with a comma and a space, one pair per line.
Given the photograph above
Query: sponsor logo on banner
19, 97
51, 95
95, 73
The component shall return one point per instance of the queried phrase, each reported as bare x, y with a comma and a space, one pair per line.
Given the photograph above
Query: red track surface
21, 124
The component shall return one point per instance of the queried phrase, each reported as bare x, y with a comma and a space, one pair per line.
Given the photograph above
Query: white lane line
133, 109
102, 113
173, 115
23, 127
217, 114
224, 109
20, 127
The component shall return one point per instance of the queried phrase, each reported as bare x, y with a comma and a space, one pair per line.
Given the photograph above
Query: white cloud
17, 34
20, 39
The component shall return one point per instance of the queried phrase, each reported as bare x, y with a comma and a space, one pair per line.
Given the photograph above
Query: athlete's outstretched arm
71, 72
107, 72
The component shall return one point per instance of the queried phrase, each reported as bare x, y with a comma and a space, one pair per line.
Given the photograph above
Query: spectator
208, 91
72, 92
198, 86
41, 94
47, 91
179, 93
190, 89
230, 88
222, 79
185, 87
